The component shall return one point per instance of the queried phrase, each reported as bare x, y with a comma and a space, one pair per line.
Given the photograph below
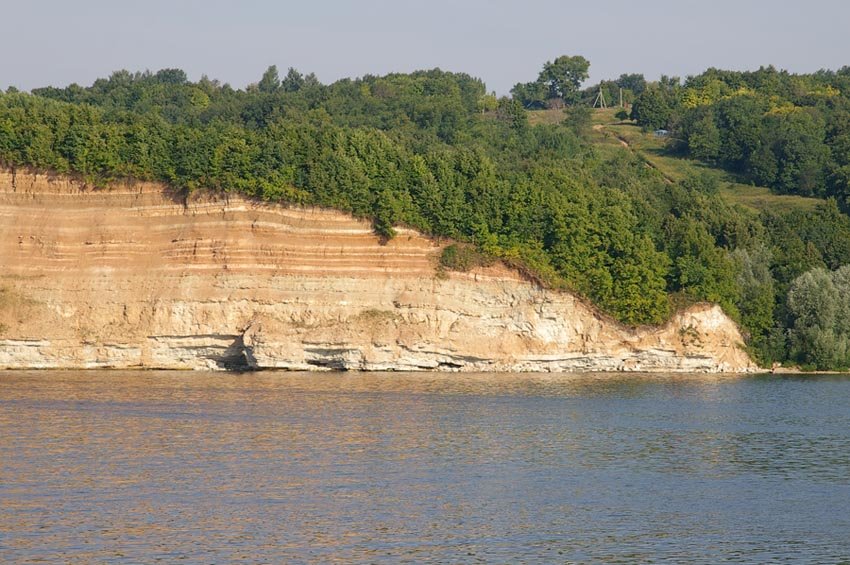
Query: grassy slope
611, 135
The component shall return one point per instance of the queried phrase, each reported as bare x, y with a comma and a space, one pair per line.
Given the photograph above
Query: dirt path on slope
624, 142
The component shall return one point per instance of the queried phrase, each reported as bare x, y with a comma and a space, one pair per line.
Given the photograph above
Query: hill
138, 276
600, 209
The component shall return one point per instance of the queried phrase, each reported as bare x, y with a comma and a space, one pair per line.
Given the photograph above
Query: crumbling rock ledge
137, 276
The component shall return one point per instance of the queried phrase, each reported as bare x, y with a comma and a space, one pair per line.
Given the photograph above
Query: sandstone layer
139, 276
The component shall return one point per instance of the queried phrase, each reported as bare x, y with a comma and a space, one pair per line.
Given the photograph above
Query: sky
502, 42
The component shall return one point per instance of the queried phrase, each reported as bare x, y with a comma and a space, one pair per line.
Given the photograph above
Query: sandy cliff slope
135, 276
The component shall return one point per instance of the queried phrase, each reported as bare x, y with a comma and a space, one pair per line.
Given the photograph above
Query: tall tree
293, 81
270, 81
564, 76
652, 110
559, 80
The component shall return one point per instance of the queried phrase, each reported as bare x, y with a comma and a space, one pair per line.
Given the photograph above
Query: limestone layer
138, 276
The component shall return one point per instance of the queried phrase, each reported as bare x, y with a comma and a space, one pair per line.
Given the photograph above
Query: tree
293, 81
413, 150
559, 80
563, 76
311, 81
270, 81
739, 119
487, 103
634, 82
579, 119
796, 139
819, 336
171, 76
651, 110
512, 112
531, 95
704, 139
756, 302
639, 295
701, 270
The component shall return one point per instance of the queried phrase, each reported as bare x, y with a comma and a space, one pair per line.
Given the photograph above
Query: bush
463, 258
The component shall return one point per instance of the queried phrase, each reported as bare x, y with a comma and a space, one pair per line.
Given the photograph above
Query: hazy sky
503, 42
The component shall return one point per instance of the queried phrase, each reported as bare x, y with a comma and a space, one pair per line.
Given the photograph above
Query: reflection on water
271, 467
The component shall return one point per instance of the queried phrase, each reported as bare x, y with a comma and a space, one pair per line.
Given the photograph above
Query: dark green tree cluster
653, 109
781, 130
819, 303
558, 82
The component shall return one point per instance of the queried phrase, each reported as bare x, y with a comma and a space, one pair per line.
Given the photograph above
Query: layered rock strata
139, 276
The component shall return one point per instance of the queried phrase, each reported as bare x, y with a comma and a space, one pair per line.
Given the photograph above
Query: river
117, 466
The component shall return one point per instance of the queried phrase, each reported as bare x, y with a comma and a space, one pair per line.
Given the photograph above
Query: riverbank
139, 276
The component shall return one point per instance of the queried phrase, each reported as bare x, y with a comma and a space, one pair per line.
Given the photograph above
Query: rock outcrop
138, 276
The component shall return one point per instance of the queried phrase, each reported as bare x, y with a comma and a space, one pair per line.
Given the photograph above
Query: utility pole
600, 99
621, 97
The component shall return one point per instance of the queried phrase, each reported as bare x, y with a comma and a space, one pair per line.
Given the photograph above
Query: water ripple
287, 467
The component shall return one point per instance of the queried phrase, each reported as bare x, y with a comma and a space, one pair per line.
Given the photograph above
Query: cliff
135, 276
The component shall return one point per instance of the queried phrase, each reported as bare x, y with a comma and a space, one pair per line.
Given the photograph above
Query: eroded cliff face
135, 276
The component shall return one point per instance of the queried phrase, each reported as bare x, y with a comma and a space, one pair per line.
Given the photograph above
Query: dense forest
788, 132
434, 150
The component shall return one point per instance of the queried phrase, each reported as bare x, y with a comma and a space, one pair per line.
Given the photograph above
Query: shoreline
132, 277
340, 372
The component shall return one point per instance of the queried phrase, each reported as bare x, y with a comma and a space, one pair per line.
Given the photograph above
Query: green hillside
611, 135
732, 207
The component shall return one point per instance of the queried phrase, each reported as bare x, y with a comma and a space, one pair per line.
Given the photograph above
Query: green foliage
701, 270
792, 156
559, 80
463, 258
634, 83
563, 76
295, 81
488, 103
819, 302
532, 95
704, 140
578, 118
652, 109
270, 81
434, 151
788, 132
756, 301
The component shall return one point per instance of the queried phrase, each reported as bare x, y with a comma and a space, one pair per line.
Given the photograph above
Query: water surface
290, 467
